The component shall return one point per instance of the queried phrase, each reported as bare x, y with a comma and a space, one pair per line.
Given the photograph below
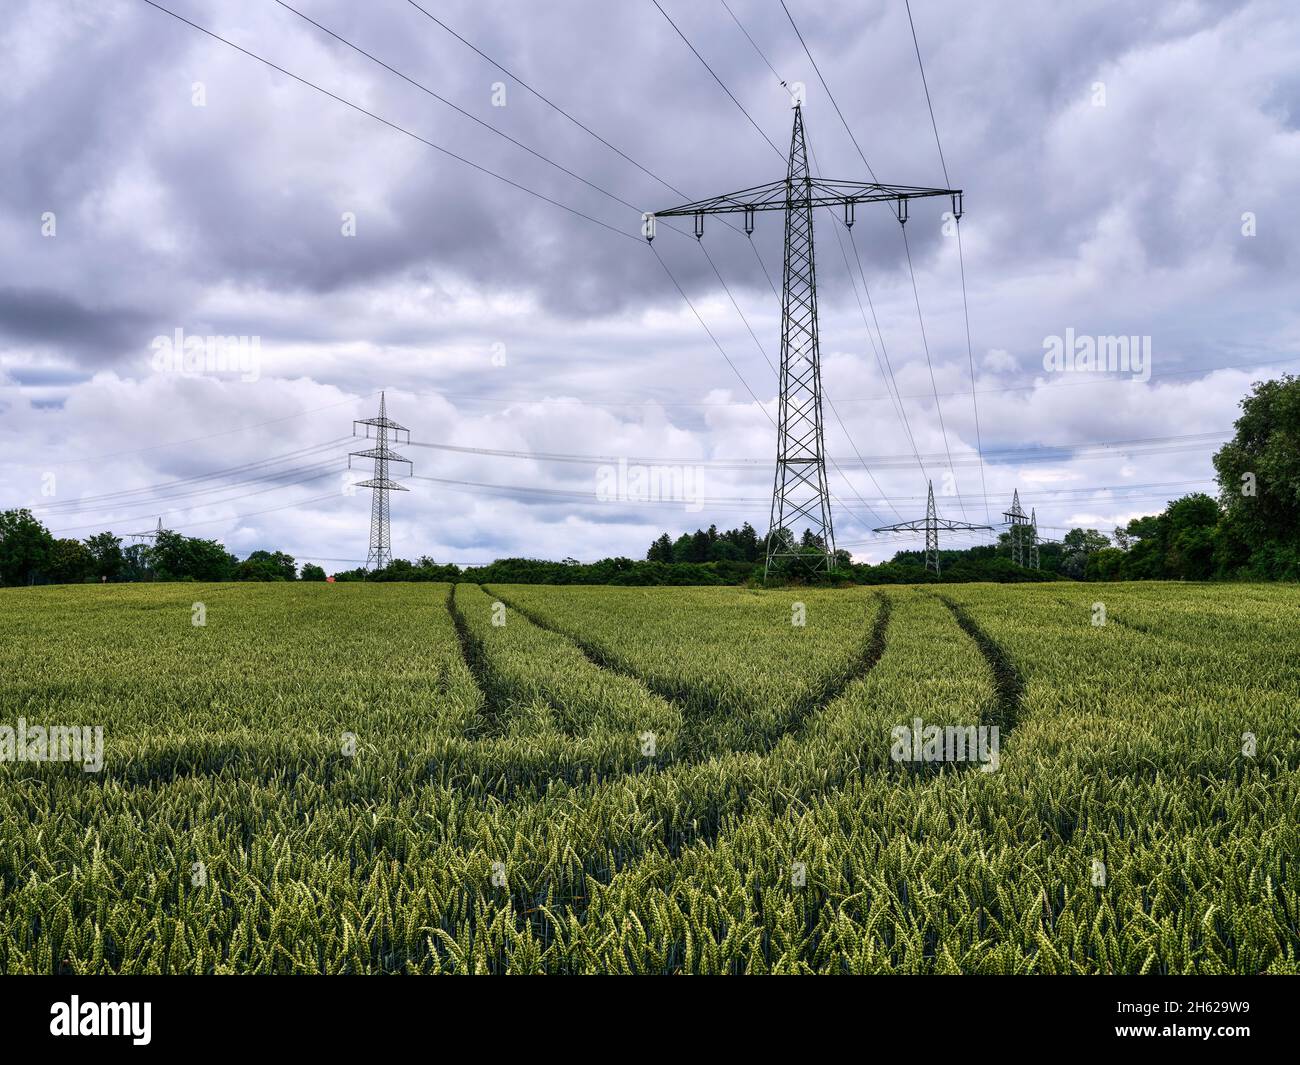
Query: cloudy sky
1128, 170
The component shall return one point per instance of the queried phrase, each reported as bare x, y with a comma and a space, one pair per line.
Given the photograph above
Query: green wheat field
421, 778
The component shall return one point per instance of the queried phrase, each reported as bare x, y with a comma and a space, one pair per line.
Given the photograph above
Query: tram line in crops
699, 707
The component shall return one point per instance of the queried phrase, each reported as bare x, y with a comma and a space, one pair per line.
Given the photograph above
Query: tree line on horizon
1250, 532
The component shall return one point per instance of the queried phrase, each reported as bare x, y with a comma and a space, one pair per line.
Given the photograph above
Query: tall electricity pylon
380, 553
1019, 521
932, 524
800, 492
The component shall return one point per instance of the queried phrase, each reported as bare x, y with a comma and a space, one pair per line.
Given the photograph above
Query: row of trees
30, 554
734, 545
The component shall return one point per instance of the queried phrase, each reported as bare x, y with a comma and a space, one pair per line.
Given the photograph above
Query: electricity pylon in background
800, 491
1019, 522
145, 537
1038, 541
151, 535
380, 552
931, 526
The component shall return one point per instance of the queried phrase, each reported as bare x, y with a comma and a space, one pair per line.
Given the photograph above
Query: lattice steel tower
380, 553
800, 493
1019, 522
932, 524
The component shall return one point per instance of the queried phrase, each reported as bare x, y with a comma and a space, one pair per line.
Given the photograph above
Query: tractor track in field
698, 706
493, 715
1008, 683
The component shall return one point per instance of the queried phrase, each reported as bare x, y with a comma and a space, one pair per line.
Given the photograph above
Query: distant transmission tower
932, 524
152, 534
144, 537
1033, 538
1019, 522
800, 492
381, 550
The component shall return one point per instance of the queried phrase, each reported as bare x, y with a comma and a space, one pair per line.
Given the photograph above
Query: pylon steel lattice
800, 492
380, 552
1019, 522
151, 535
931, 525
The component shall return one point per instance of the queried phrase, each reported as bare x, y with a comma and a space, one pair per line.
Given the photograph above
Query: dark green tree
661, 550
1259, 481
137, 563
1076, 546
1190, 537
105, 556
25, 547
70, 562
267, 566
179, 558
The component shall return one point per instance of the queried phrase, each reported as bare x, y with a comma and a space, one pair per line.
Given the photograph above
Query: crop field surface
424, 778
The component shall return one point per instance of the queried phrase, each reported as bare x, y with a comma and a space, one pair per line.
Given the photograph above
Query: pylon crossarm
383, 420
380, 453
815, 191
959, 526
385, 458
384, 483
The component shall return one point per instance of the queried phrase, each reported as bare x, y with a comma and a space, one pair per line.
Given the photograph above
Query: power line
822, 390
723, 353
720, 82
276, 478
393, 125
925, 345
925, 85
210, 503
889, 366
1029, 453
597, 399
829, 95
474, 118
716, 344
834, 410
460, 110
250, 514
567, 115
546, 100
970, 361
961, 256
751, 40
911, 271
763, 351
121, 496
198, 439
